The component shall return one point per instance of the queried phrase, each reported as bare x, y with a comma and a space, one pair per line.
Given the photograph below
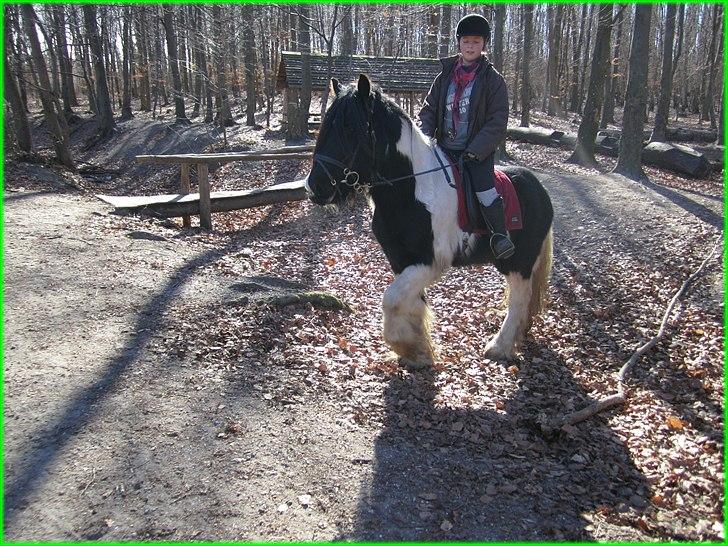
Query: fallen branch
620, 398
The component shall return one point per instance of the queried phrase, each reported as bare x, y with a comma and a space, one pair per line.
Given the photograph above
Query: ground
152, 391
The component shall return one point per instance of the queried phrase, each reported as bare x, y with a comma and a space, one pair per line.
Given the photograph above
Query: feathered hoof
413, 365
494, 352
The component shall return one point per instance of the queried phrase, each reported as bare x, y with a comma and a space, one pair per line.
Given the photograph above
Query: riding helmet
473, 25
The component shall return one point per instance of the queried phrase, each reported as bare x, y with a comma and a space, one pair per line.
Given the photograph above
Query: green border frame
229, 543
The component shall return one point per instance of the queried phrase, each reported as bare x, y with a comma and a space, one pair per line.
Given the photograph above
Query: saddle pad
511, 205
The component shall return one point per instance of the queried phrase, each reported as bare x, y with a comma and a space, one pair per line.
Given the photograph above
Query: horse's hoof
413, 365
493, 352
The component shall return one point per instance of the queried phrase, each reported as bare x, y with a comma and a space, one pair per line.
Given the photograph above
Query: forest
217, 65
195, 349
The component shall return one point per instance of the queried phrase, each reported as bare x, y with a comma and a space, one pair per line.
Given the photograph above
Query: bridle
351, 177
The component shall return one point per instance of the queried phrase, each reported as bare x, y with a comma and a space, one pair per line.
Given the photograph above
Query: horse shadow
493, 474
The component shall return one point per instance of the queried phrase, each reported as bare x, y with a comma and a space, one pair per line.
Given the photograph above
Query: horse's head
344, 154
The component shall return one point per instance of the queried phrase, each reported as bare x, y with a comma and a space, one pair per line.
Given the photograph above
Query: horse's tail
540, 277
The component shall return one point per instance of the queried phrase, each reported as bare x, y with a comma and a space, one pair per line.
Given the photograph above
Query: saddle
470, 218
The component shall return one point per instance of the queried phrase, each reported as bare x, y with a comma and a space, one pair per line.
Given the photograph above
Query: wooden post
204, 183
412, 105
184, 189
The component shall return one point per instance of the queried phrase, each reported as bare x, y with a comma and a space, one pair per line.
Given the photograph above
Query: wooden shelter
406, 79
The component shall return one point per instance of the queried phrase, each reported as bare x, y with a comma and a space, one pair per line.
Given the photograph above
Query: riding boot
500, 241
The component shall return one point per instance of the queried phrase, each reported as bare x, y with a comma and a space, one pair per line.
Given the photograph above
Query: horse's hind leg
503, 345
526, 298
407, 316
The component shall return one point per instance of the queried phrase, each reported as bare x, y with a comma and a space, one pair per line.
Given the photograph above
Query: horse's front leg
407, 316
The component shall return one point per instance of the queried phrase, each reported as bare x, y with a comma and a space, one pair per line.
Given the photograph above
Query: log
693, 135
174, 205
680, 134
535, 135
677, 158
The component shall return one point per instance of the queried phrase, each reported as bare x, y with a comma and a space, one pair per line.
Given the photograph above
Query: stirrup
502, 246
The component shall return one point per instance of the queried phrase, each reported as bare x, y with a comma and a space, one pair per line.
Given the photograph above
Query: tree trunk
554, 94
126, 112
585, 63
445, 32
629, 162
172, 49
614, 76
526, 70
499, 23
301, 100
433, 24
663, 105
67, 91
51, 109
576, 46
584, 151
142, 39
51, 50
103, 100
707, 112
250, 63
83, 58
195, 46
12, 94
329, 60
347, 36
721, 117
224, 116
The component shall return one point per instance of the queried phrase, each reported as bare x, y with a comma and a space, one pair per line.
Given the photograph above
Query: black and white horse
368, 144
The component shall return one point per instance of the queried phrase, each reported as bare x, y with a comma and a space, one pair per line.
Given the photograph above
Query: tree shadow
688, 205
482, 474
32, 462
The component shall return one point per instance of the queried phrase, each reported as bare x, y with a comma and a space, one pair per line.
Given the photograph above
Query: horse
367, 144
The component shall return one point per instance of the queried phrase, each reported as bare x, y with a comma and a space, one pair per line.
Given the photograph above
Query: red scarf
462, 76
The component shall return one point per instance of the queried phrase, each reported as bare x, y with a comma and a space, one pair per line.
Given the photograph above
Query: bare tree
105, 115
610, 89
172, 51
250, 62
553, 92
526, 70
142, 41
51, 108
446, 38
584, 151
707, 110
224, 116
629, 162
126, 112
663, 105
19, 116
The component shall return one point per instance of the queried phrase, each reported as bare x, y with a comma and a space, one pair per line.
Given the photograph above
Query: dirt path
120, 425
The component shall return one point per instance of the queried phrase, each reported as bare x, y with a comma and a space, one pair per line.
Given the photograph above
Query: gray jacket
488, 115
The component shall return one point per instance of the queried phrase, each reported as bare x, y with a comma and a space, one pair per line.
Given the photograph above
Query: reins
351, 177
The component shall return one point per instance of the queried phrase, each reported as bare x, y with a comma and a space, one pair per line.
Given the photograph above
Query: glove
470, 156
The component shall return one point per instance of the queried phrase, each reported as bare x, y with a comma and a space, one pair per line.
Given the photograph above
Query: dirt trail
110, 436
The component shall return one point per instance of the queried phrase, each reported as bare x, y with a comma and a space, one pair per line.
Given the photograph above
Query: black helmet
473, 25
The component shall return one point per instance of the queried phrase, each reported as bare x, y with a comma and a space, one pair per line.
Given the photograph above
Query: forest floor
151, 393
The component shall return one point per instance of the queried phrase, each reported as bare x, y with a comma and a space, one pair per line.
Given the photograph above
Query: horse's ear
364, 86
336, 86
